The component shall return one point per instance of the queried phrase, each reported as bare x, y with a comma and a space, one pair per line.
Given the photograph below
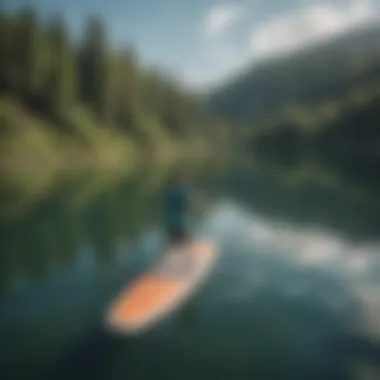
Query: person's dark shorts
177, 235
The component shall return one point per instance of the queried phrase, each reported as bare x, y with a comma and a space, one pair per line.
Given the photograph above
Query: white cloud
316, 22
220, 18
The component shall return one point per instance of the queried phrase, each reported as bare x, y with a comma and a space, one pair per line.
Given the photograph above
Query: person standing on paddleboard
176, 204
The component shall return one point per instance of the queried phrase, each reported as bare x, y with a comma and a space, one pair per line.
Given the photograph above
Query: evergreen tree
5, 38
51, 75
60, 93
25, 44
129, 89
94, 69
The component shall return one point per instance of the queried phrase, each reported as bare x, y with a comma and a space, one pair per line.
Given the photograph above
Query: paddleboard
154, 294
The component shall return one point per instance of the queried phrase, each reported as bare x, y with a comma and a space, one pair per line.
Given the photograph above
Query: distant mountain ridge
306, 77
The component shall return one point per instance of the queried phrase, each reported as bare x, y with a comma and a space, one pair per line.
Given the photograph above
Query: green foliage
87, 95
61, 71
94, 73
344, 133
34, 154
25, 142
322, 101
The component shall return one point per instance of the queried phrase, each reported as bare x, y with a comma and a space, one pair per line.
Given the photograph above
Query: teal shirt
176, 207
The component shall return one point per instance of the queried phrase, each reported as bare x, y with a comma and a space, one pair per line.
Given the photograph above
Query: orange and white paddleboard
155, 293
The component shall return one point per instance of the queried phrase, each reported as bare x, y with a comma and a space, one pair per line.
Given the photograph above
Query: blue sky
204, 41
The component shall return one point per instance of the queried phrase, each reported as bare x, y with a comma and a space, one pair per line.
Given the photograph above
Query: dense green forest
346, 128
322, 102
80, 103
76, 103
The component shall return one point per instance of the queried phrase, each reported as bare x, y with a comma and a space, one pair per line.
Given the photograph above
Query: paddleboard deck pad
155, 293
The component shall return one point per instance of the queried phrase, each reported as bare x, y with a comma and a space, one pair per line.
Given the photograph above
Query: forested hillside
60, 95
304, 78
322, 103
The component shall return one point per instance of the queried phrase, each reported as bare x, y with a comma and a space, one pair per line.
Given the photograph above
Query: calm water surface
294, 295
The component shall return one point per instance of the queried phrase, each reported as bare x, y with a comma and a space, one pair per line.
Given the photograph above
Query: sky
203, 42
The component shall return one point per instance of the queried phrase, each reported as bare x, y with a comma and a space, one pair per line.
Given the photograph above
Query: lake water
294, 295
